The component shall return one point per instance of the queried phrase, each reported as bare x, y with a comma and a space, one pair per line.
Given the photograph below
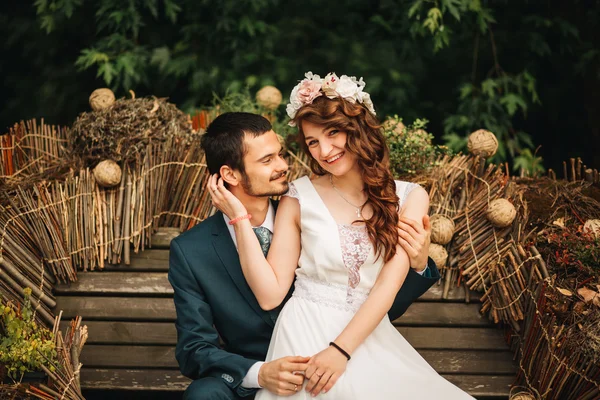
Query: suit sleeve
414, 286
198, 352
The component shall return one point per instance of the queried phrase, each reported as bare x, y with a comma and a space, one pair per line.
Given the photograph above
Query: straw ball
101, 99
269, 97
592, 226
482, 143
107, 173
501, 213
438, 254
442, 229
522, 396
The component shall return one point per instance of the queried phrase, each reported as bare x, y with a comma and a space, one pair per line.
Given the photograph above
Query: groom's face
265, 168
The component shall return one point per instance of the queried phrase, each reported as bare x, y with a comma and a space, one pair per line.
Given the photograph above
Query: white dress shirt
251, 379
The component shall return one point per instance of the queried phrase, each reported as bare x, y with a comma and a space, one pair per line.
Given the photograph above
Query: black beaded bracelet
340, 350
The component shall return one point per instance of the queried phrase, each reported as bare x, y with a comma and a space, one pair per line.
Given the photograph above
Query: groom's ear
230, 176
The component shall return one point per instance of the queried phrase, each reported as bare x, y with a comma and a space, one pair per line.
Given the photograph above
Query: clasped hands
285, 376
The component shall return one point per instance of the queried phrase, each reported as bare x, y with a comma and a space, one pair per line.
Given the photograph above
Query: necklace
358, 208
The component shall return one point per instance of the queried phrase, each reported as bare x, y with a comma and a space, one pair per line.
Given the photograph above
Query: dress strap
403, 189
299, 190
293, 192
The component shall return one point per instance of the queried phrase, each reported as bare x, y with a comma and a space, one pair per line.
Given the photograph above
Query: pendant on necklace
358, 213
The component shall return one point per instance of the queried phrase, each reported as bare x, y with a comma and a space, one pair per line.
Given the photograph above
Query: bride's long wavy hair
365, 139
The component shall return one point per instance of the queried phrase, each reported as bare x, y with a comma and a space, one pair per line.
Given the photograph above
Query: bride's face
328, 147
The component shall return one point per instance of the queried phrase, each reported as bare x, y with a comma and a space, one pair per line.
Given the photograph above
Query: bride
336, 240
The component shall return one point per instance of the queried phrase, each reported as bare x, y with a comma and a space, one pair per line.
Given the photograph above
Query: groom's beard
262, 189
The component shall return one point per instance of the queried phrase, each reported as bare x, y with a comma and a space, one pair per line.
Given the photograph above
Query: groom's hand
282, 376
415, 239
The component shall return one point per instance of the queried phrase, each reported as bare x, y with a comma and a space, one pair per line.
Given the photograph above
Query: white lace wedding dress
337, 268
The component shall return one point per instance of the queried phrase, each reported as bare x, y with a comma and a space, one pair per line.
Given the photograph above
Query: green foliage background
527, 70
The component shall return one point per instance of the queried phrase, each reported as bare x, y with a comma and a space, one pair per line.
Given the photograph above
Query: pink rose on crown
308, 91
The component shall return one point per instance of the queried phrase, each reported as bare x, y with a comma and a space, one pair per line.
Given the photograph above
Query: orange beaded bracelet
238, 219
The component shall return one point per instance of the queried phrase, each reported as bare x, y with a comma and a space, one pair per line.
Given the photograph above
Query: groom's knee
208, 388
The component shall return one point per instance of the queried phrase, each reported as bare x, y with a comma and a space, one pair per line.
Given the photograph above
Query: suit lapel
227, 253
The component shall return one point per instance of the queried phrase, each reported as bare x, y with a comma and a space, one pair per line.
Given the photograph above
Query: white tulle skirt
385, 365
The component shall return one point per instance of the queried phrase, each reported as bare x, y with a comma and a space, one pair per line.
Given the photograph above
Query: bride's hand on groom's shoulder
324, 369
284, 376
223, 199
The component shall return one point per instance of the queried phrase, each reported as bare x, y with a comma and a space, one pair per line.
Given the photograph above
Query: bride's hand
324, 369
223, 199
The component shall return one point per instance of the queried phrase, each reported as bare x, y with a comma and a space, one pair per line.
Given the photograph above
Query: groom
222, 333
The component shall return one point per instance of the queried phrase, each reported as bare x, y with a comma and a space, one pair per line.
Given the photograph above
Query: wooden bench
130, 315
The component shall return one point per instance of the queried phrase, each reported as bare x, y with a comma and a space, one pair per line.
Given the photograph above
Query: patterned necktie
264, 238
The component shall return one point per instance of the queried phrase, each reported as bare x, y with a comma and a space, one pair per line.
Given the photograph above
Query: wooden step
164, 333
133, 379
171, 380
163, 357
92, 308
118, 283
157, 283
116, 308
149, 260
157, 260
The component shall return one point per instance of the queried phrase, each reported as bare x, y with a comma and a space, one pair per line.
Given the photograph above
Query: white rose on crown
347, 89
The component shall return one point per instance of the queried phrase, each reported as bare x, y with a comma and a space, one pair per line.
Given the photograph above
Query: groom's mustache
279, 175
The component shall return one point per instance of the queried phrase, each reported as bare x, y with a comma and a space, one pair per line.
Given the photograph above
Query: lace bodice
354, 243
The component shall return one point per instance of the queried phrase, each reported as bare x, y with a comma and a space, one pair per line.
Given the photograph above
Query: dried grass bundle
122, 131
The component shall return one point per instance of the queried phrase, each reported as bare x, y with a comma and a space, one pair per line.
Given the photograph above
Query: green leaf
488, 87
416, 7
466, 90
107, 71
161, 57
89, 57
377, 19
172, 9
452, 6
512, 101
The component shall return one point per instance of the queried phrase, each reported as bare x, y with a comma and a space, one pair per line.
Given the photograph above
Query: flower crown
313, 86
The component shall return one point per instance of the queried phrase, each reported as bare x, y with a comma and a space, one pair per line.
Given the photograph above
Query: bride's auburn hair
365, 139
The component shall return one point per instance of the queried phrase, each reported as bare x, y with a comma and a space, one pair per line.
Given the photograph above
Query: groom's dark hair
223, 142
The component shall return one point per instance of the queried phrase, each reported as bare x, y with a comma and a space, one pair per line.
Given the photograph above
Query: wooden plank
150, 260
172, 380
444, 314
133, 379
124, 283
470, 362
483, 385
456, 294
164, 333
151, 254
116, 308
443, 361
102, 356
454, 338
163, 309
132, 333
163, 236
141, 283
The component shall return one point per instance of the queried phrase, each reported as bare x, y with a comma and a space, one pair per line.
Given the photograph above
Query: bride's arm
270, 279
380, 299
